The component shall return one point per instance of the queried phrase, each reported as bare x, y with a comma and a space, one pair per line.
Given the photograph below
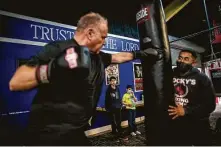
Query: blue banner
42, 32
32, 30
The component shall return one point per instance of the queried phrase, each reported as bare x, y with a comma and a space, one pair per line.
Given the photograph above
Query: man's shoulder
106, 58
103, 53
200, 74
203, 77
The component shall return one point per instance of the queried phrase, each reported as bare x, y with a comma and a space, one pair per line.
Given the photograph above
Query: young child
129, 100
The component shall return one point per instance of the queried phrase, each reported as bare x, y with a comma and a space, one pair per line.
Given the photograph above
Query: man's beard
183, 67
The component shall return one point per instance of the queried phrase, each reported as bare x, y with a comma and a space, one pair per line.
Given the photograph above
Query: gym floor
110, 140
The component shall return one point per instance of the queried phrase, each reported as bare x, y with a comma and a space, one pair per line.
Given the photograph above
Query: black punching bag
158, 85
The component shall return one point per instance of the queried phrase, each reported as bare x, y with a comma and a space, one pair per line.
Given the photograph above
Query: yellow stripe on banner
174, 7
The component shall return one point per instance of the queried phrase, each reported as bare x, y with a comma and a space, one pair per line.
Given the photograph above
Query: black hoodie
112, 98
195, 92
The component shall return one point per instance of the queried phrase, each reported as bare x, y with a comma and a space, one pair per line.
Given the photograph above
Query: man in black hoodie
113, 105
194, 101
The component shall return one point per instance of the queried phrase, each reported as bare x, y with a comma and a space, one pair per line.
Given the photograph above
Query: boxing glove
141, 54
72, 59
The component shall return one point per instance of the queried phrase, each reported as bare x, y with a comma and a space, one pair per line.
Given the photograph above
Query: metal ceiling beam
174, 7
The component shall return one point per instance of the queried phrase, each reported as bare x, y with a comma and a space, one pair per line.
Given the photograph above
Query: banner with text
37, 30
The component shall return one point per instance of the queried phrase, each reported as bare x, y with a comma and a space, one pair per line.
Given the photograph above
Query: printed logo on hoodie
182, 90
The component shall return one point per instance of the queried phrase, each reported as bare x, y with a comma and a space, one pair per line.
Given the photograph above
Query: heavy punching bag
157, 82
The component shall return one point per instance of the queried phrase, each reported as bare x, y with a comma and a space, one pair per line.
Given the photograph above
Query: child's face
113, 82
129, 90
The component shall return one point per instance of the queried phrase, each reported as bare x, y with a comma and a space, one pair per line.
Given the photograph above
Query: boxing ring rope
213, 56
214, 53
195, 34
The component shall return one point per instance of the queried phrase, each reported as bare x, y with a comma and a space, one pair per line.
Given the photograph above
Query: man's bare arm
25, 76
128, 56
23, 79
122, 57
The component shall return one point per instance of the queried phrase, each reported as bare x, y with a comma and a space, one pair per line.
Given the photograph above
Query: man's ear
90, 33
194, 62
